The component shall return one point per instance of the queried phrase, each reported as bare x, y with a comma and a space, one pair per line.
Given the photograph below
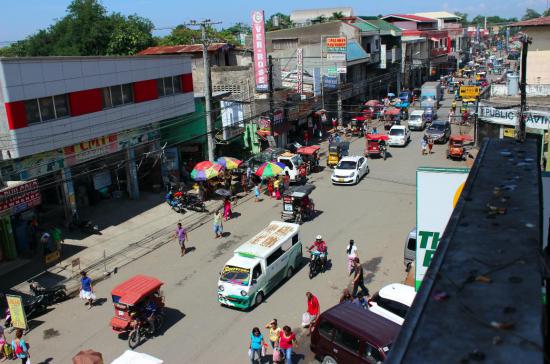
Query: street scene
265, 191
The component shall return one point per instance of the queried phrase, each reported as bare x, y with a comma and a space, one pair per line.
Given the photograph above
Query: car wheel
356, 180
329, 360
259, 299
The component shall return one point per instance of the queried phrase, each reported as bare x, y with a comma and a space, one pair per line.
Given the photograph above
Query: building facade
538, 54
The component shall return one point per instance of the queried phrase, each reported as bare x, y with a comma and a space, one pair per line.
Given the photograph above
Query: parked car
439, 131
400, 135
417, 120
393, 302
350, 170
349, 334
410, 250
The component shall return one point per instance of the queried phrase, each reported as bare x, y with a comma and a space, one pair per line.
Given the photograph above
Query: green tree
337, 16
284, 22
181, 35
130, 35
546, 12
463, 18
319, 19
530, 14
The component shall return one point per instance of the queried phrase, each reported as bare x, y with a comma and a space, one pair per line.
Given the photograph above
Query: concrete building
86, 128
306, 17
538, 55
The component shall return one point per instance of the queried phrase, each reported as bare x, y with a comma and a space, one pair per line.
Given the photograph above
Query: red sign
21, 197
258, 44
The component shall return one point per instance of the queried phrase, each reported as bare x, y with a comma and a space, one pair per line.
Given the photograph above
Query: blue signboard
330, 82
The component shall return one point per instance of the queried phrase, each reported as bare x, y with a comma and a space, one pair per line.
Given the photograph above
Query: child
257, 192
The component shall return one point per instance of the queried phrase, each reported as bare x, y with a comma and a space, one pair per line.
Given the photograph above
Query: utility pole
339, 102
520, 127
207, 86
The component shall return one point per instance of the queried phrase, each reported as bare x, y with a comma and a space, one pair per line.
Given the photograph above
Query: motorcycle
174, 202
142, 330
193, 202
316, 264
51, 295
86, 226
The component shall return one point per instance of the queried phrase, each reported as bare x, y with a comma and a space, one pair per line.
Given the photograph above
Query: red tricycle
376, 145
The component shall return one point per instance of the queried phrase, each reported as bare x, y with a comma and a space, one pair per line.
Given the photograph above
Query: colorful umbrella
205, 170
229, 162
270, 169
373, 103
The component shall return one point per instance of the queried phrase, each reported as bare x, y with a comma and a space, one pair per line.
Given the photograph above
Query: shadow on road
371, 266
172, 317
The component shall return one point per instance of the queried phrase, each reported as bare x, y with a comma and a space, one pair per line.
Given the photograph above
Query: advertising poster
382, 56
17, 312
260, 56
437, 193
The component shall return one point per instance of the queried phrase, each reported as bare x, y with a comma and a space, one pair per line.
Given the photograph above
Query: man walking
181, 235
358, 280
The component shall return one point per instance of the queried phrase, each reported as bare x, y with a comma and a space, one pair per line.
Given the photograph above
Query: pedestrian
218, 224
181, 235
202, 192
227, 212
424, 145
5, 349
286, 180
274, 333
334, 124
255, 345
244, 183
306, 137
313, 309
352, 254
358, 280
270, 187
20, 347
257, 193
346, 296
287, 341
86, 289
276, 188
361, 301
337, 138
430, 144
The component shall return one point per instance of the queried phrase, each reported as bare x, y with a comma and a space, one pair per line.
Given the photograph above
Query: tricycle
310, 156
139, 308
336, 151
392, 117
376, 145
356, 125
456, 150
297, 205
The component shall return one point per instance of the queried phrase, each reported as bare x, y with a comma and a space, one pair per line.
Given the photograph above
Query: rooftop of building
533, 102
300, 16
410, 17
542, 21
183, 48
439, 15
380, 24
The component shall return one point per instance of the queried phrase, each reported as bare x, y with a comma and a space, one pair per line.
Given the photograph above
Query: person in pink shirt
313, 309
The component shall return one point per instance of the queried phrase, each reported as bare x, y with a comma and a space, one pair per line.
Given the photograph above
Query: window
287, 163
274, 256
372, 354
394, 307
168, 86
411, 244
295, 239
346, 340
114, 96
326, 329
47, 108
257, 272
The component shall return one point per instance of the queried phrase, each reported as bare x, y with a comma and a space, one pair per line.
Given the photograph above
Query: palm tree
319, 19
337, 16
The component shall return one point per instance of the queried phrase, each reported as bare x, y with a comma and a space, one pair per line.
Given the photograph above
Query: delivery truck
430, 95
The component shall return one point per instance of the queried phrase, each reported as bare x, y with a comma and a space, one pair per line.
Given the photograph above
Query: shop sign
260, 57
300, 70
337, 57
469, 92
18, 317
317, 81
535, 119
382, 56
20, 198
437, 193
278, 117
38, 165
90, 149
341, 70
330, 82
337, 44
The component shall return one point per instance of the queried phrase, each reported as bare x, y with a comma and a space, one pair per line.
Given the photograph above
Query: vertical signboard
383, 56
317, 81
18, 317
258, 44
437, 193
300, 70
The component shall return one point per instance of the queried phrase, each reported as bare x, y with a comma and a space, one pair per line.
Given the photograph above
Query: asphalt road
377, 213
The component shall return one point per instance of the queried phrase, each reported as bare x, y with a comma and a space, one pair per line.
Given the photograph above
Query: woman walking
227, 213
218, 224
19, 347
430, 144
274, 332
352, 253
270, 187
255, 346
287, 341
86, 289
181, 235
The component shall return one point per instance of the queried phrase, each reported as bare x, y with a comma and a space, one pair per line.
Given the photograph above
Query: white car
417, 121
350, 170
393, 302
399, 135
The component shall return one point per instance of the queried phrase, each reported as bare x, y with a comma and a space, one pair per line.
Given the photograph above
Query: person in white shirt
352, 253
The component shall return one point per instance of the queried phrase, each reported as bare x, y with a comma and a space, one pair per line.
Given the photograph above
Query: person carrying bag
20, 348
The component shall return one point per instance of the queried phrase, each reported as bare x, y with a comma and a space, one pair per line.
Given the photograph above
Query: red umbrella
373, 103
88, 357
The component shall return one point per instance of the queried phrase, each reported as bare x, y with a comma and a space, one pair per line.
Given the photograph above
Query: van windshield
415, 117
235, 275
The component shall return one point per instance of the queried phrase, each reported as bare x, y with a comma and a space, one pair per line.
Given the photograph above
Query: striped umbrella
270, 169
229, 162
206, 170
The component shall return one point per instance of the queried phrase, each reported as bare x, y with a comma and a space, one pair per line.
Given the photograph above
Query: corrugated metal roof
364, 26
542, 21
411, 17
184, 48
439, 15
383, 25
355, 51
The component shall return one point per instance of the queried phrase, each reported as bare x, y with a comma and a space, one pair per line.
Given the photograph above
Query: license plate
340, 180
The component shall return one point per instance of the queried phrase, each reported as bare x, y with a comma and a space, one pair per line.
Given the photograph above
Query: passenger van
259, 265
292, 164
349, 334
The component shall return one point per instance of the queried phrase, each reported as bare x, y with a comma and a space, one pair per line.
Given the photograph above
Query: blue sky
20, 18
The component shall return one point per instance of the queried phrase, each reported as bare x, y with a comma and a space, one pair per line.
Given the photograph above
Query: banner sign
330, 82
338, 57
382, 56
260, 56
469, 92
20, 197
17, 312
535, 119
337, 45
316, 81
300, 70
232, 119
437, 193
90, 149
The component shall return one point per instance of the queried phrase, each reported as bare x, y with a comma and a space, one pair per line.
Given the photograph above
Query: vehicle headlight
352, 174
220, 288
243, 293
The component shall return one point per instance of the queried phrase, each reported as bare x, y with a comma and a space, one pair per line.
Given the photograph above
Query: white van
292, 164
417, 121
259, 265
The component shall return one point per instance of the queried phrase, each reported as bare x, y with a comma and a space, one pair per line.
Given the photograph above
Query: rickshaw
404, 106
480, 76
356, 125
335, 152
130, 300
392, 117
373, 146
310, 155
456, 148
297, 205
468, 105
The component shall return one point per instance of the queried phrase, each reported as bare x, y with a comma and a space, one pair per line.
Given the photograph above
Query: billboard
232, 119
20, 197
437, 193
18, 317
534, 119
258, 45
330, 82
337, 44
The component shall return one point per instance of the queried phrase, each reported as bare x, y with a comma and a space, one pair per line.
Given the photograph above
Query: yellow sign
52, 257
509, 132
17, 312
469, 91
